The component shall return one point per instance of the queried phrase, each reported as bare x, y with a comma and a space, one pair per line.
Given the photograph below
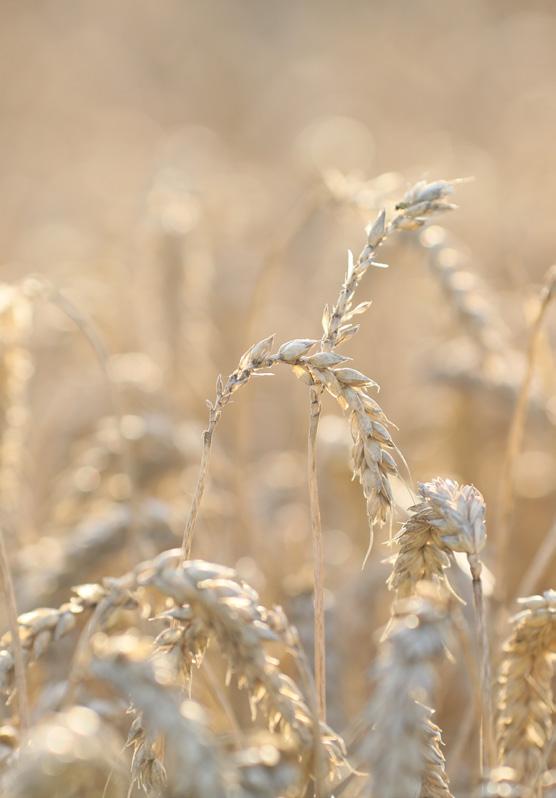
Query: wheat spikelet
40, 628
525, 700
403, 746
214, 603
448, 519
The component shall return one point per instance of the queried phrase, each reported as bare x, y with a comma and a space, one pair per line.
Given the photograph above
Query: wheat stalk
525, 700
517, 425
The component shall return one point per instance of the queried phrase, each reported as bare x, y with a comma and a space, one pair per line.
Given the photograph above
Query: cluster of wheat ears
146, 633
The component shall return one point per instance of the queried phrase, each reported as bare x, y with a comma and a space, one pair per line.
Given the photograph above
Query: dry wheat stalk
403, 746
517, 425
16, 320
253, 360
525, 700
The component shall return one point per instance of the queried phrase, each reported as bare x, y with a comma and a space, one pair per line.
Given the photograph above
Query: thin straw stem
19, 661
318, 554
487, 734
514, 442
199, 489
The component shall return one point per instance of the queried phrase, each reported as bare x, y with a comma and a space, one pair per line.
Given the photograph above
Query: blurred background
190, 176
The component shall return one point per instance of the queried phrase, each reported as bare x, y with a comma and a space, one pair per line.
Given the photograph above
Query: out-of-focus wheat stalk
466, 294
402, 747
505, 501
16, 319
525, 699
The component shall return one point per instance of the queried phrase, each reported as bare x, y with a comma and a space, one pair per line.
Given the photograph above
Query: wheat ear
525, 700
421, 202
402, 747
449, 519
212, 602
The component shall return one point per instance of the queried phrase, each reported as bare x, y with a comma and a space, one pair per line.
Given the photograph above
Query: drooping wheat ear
40, 628
253, 360
517, 426
196, 764
525, 699
213, 603
402, 748
71, 754
465, 292
420, 203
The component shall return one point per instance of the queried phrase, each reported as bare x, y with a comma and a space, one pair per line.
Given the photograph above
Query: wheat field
277, 399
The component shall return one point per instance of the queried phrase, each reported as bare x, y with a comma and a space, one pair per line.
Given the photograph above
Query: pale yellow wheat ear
450, 518
525, 696
402, 748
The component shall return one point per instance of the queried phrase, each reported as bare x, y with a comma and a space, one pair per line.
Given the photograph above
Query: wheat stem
19, 661
318, 554
516, 431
